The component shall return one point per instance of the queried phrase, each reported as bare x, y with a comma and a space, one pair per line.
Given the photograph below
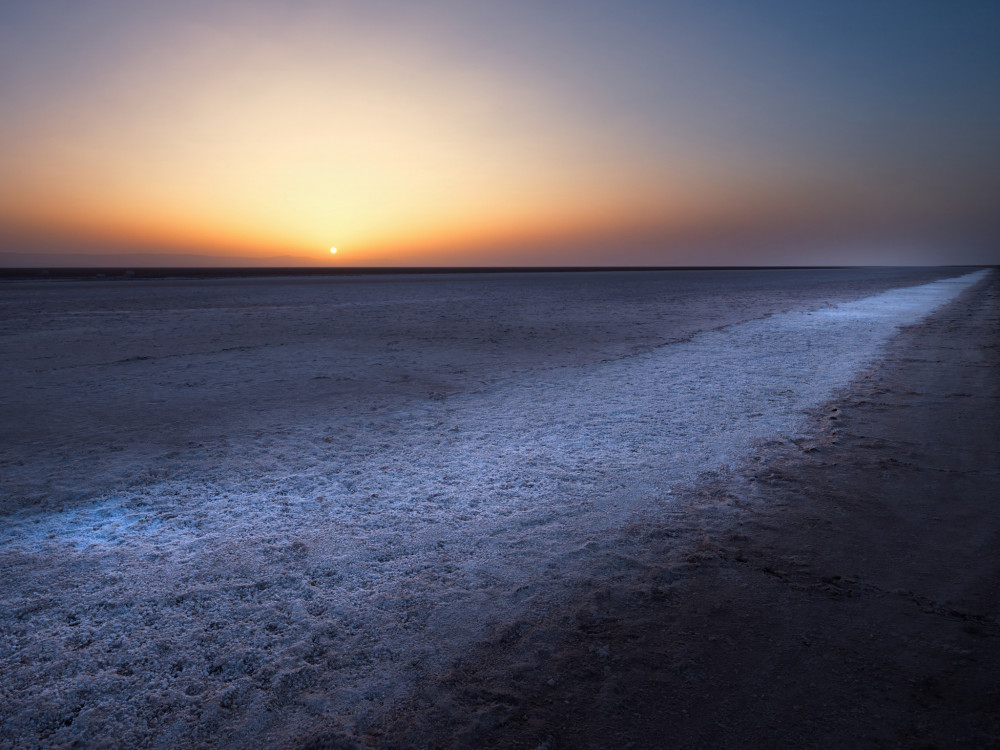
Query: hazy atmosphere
521, 375
514, 133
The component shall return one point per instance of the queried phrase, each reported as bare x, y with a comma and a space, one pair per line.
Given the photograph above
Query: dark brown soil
839, 591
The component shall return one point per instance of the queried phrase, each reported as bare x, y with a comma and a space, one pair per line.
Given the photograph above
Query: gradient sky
501, 133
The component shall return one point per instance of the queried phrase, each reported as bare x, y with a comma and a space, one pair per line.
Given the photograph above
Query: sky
521, 132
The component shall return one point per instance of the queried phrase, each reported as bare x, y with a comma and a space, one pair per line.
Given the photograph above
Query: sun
333, 250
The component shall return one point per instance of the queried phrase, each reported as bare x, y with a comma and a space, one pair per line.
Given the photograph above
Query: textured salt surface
110, 383
304, 577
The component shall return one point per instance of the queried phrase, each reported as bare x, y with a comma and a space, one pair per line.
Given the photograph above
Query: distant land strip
139, 272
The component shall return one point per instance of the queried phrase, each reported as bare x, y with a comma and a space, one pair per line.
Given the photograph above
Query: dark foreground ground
840, 591
493, 513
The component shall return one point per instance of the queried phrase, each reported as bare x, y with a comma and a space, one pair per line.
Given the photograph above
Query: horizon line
123, 272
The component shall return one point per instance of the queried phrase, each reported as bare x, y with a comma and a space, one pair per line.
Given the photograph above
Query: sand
304, 514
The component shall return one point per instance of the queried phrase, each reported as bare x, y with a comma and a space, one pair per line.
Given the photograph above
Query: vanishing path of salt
347, 558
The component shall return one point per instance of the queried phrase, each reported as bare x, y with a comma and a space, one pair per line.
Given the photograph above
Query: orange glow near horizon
271, 152
411, 135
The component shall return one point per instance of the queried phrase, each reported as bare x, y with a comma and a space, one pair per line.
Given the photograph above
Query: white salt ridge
316, 561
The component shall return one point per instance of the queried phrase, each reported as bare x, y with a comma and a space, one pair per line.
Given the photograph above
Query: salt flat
246, 511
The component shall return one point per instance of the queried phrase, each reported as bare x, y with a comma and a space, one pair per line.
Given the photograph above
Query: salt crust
305, 578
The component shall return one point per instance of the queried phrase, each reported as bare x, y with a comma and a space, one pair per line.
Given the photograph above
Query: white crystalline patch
674, 412
311, 554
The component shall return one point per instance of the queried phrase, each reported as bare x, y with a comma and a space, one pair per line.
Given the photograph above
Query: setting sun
437, 134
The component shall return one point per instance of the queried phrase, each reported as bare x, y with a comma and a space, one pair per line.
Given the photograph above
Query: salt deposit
251, 570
